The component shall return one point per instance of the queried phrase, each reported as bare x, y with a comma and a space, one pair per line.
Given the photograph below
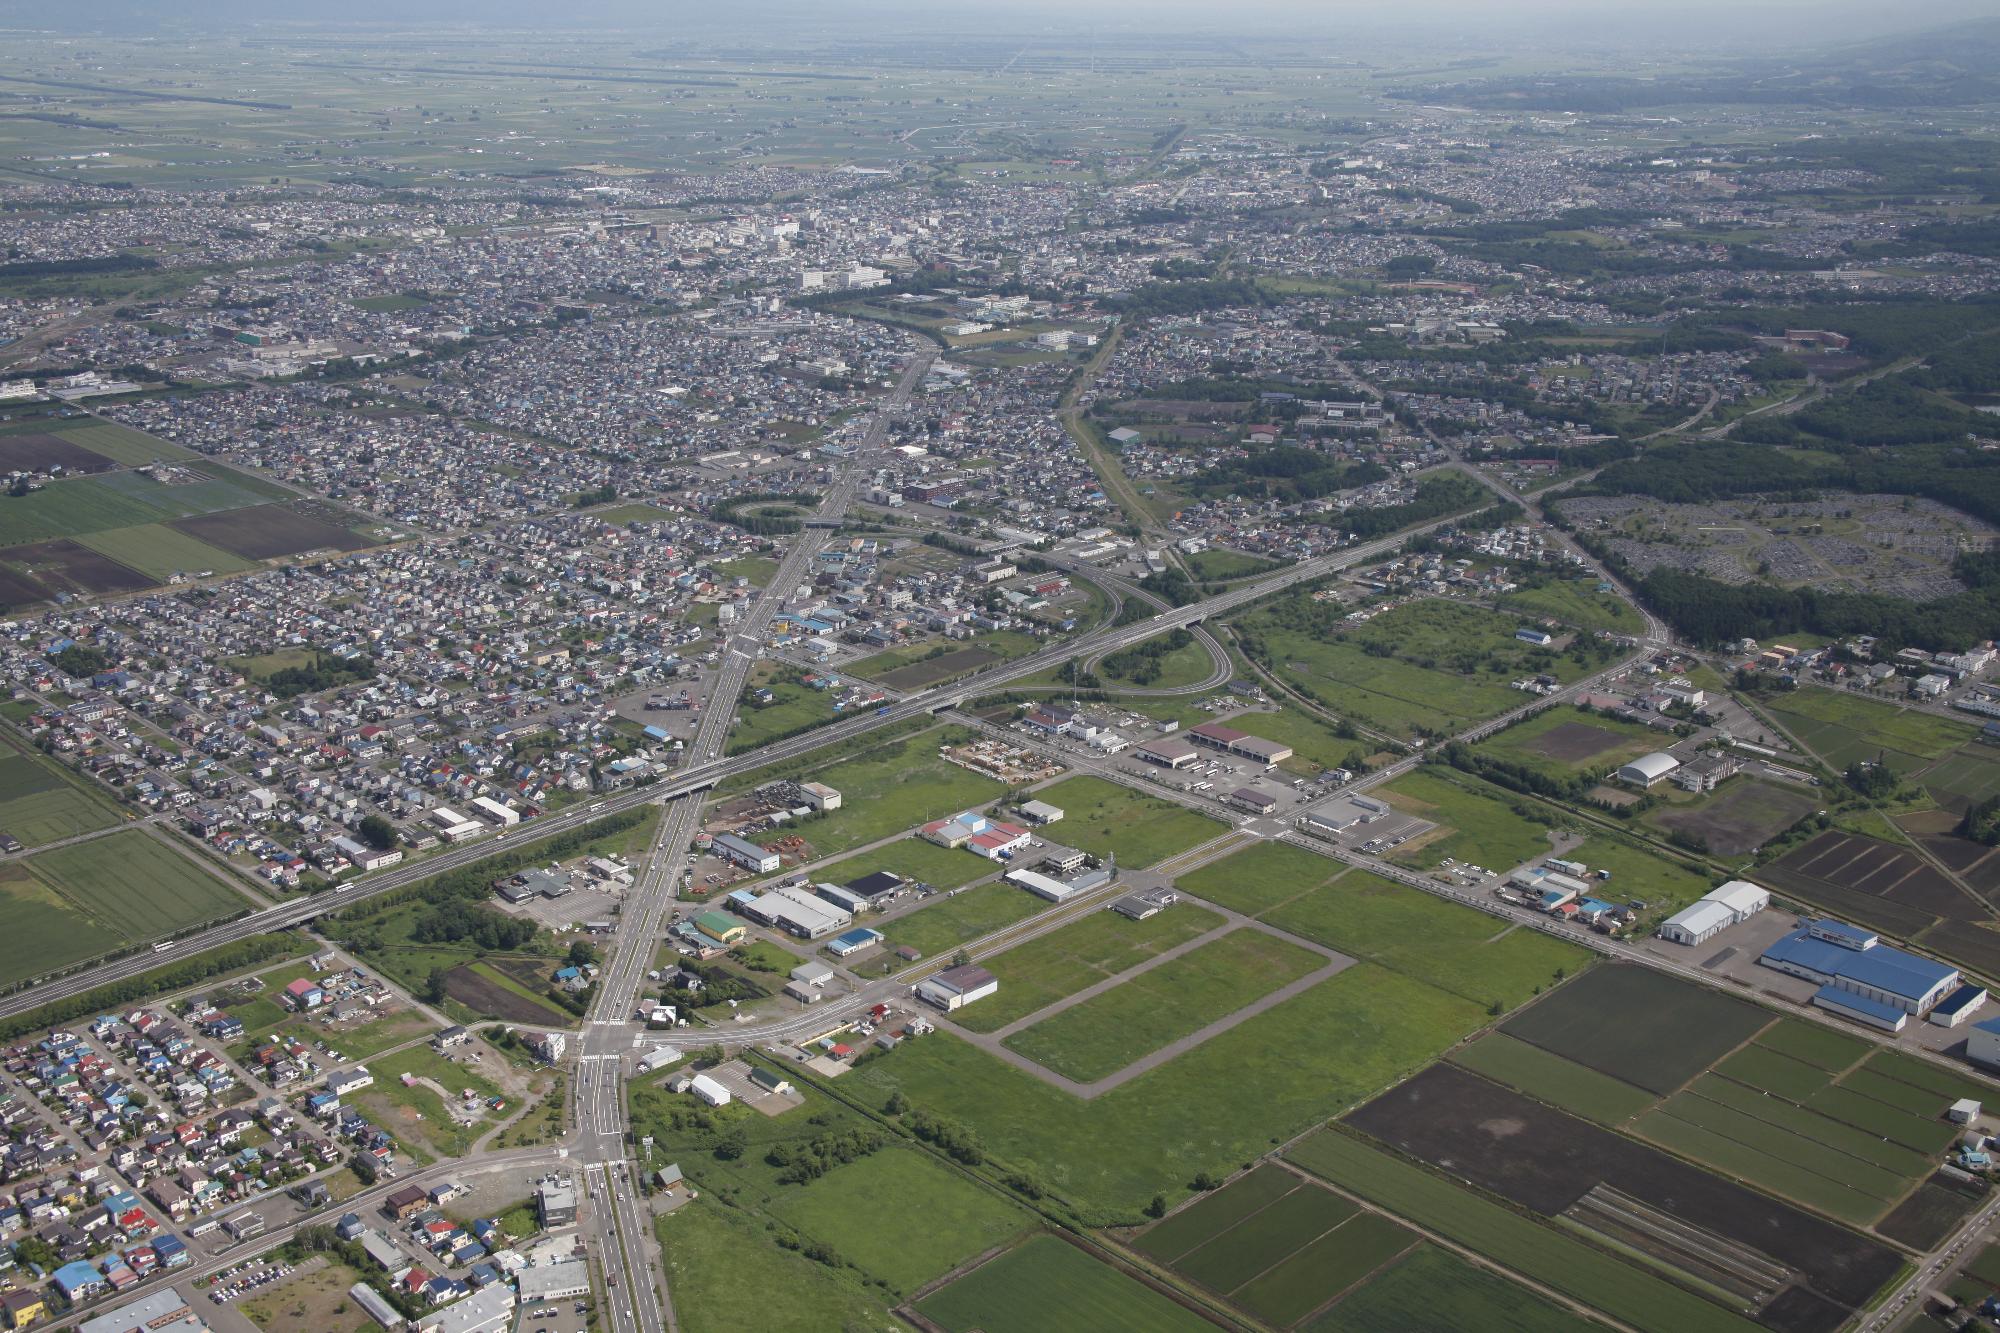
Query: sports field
40, 803
1115, 822
1049, 1286
1109, 1031
1063, 962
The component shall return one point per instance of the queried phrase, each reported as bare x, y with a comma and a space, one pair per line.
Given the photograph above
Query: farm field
1541, 1253
120, 444
137, 885
1454, 948
41, 803
1283, 1070
1638, 1025
1556, 1165
1566, 741
1431, 1290
1049, 1286
1885, 887
1477, 823
159, 552
1843, 727
1107, 820
1109, 1031
1045, 969
1577, 603
1554, 1080
1276, 1244
41, 932
864, 1208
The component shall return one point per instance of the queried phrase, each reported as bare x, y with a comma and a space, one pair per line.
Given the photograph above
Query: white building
709, 1090
1648, 769
162, 1312
553, 1282
957, 987
505, 816
820, 796
1717, 910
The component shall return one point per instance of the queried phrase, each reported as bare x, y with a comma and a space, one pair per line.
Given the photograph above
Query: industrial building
489, 1310
553, 1282
1239, 743
162, 1312
1719, 909
819, 796
1982, 1044
957, 987
1168, 753
743, 852
1648, 769
1859, 976
853, 942
797, 911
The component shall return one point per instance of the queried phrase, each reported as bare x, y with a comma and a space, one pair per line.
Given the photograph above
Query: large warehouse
1648, 769
1859, 976
1716, 910
957, 987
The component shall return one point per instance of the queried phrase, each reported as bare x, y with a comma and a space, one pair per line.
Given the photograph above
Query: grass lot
1188, 664
1315, 745
912, 858
902, 1217
793, 707
726, 1276
1576, 603
416, 1115
1219, 564
1063, 962
159, 552
1637, 873
1112, 821
1552, 1079
40, 802
1435, 1291
315, 1302
943, 924
892, 788
1530, 743
1475, 956
756, 568
620, 515
1485, 825
1137, 1017
40, 932
136, 885
1280, 1072
1050, 1286
1509, 1238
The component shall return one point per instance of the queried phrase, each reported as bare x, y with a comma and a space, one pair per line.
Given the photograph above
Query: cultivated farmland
1050, 1286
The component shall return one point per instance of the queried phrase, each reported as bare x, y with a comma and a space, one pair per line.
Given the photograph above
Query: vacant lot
1566, 740
912, 858
1476, 823
1546, 1161
40, 803
944, 923
1050, 1286
134, 884
1063, 962
727, 1275
893, 788
1638, 1025
1577, 603
1114, 822
267, 531
1741, 816
1109, 1031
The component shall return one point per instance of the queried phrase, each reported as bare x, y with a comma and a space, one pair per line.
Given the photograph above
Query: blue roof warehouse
1860, 977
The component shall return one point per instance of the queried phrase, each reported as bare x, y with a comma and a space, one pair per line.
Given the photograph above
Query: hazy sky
1671, 24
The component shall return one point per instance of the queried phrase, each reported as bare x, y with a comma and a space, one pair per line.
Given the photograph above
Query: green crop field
1628, 1294
1576, 603
1107, 820
1751, 1161
1758, 1066
1638, 1025
1232, 1258
1366, 916
120, 444
1290, 1067
1482, 822
1822, 1047
1852, 1107
902, 1217
1212, 1214
136, 885
945, 923
41, 803
1063, 962
41, 932
727, 1276
1300, 1283
1552, 1079
159, 552
1435, 1291
1050, 1286
1925, 735
1137, 1017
